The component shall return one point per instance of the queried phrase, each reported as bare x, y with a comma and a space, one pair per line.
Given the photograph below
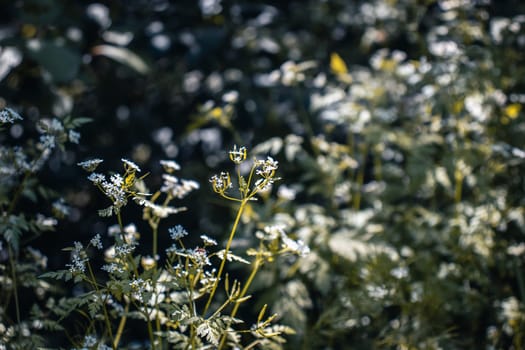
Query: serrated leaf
106, 212
232, 257
212, 334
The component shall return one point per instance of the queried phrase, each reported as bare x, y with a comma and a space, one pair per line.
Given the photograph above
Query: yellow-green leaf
337, 65
513, 110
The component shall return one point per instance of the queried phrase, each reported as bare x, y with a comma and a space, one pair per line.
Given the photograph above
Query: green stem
10, 209
360, 178
189, 287
521, 281
106, 315
378, 169
121, 325
14, 277
155, 236
123, 237
223, 263
135, 270
459, 186
257, 264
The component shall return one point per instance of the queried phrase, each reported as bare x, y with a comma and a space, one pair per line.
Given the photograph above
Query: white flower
177, 232
238, 155
112, 268
90, 165
221, 183
170, 166
74, 137
129, 165
516, 249
208, 241
177, 188
158, 210
267, 167
78, 264
47, 141
7, 115
95, 241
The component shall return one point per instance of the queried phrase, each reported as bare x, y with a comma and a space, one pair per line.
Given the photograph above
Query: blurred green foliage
398, 126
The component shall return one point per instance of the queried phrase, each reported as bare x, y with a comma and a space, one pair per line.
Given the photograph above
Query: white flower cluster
221, 183
95, 242
160, 211
78, 259
177, 188
177, 232
276, 232
7, 115
90, 165
266, 168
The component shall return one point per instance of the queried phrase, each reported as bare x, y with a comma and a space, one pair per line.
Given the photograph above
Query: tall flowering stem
264, 171
228, 245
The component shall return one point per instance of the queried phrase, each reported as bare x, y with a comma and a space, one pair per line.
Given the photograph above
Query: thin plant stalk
360, 178
135, 270
14, 277
256, 266
106, 315
228, 244
121, 325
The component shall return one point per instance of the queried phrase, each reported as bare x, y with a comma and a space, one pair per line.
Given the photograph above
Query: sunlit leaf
513, 110
123, 56
337, 65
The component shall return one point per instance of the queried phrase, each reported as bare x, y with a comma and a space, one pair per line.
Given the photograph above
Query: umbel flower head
238, 155
260, 178
118, 188
221, 183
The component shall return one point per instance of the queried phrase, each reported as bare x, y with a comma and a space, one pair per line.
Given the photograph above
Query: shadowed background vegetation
397, 124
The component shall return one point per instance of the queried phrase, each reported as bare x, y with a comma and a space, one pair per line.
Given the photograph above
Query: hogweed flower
208, 241
177, 188
177, 232
95, 242
130, 166
78, 259
7, 115
119, 187
221, 183
170, 166
238, 155
266, 168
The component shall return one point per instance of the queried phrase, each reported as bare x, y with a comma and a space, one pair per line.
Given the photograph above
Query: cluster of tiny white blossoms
90, 341
177, 188
177, 232
277, 233
238, 155
160, 211
139, 287
90, 165
7, 115
264, 169
118, 188
78, 259
170, 166
267, 167
95, 242
221, 183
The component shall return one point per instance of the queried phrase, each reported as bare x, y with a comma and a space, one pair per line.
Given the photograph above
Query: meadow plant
28, 210
184, 296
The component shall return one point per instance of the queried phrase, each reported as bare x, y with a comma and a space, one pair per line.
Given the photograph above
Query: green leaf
59, 61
